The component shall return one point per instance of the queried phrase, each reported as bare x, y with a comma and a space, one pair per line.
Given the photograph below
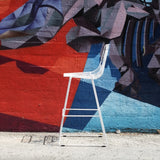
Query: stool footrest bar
81, 115
81, 109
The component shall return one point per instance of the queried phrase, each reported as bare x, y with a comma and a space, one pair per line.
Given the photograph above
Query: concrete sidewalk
44, 146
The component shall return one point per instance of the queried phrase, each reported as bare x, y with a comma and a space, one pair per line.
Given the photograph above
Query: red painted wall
8, 6
32, 86
33, 102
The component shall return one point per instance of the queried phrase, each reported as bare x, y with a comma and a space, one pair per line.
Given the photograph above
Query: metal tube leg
64, 109
98, 107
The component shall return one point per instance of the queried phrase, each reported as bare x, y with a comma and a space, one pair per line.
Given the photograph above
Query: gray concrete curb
44, 146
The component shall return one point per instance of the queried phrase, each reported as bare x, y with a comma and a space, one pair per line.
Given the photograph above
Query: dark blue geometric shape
84, 98
149, 89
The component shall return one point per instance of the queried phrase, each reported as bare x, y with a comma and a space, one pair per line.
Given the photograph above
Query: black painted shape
34, 41
129, 39
30, 68
4, 60
23, 66
148, 90
17, 124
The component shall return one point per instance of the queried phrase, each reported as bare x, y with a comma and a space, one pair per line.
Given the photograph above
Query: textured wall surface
42, 39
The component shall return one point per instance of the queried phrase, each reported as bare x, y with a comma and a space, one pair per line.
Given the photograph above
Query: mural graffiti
32, 37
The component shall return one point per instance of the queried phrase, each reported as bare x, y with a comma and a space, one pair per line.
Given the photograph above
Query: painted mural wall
42, 39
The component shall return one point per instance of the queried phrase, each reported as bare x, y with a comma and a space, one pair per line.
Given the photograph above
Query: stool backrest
104, 54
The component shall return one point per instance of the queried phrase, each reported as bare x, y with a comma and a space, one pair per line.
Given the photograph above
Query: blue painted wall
118, 111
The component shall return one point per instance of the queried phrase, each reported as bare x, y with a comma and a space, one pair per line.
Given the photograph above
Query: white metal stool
95, 74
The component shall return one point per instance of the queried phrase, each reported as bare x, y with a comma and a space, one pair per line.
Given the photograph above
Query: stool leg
64, 109
98, 107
